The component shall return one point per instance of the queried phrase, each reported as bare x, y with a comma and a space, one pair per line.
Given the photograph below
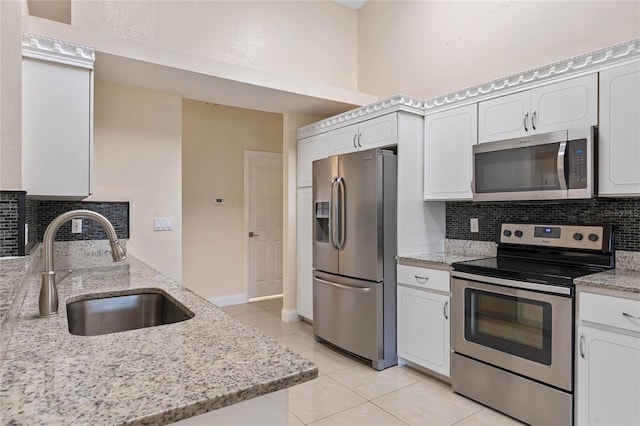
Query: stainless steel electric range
513, 318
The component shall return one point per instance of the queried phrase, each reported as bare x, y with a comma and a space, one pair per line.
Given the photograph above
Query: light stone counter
454, 251
617, 279
154, 375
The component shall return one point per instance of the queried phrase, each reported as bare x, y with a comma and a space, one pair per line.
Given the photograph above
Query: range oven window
514, 325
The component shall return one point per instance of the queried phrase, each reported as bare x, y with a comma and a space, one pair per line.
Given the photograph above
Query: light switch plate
162, 224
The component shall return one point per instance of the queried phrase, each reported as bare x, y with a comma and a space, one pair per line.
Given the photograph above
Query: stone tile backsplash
16, 210
12, 220
624, 214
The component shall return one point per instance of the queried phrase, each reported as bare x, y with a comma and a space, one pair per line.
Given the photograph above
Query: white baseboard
234, 299
290, 315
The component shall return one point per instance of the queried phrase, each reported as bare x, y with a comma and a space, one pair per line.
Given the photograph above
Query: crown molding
578, 65
572, 67
384, 106
63, 52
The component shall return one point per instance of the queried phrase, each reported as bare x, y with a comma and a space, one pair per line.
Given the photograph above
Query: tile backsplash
16, 210
12, 220
624, 214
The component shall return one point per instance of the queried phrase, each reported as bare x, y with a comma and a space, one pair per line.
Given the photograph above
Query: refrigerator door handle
342, 207
344, 287
332, 215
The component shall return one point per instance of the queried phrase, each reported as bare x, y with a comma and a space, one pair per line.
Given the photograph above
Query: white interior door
263, 213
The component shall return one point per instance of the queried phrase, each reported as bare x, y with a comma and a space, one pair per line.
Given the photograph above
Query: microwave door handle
332, 216
562, 179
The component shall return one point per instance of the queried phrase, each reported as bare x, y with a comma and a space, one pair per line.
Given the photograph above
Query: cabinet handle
533, 120
631, 315
526, 122
582, 345
359, 137
420, 279
446, 305
354, 141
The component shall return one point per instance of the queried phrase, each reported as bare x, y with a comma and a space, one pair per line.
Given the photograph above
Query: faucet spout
48, 299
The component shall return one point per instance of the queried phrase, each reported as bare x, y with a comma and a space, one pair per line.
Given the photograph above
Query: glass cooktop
548, 273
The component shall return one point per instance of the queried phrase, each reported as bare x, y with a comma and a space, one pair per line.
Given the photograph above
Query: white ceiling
353, 4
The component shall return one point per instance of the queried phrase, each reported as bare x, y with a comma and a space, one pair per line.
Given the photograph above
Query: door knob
251, 234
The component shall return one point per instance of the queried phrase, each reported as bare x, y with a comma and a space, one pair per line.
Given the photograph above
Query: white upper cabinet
619, 132
57, 115
564, 105
449, 138
309, 150
374, 133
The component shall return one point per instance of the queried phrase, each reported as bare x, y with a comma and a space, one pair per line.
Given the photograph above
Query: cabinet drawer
610, 311
433, 279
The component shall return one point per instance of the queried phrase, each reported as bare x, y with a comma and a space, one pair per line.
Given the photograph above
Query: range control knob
593, 237
577, 236
506, 233
518, 234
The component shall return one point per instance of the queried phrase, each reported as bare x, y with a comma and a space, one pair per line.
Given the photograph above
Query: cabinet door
423, 329
565, 105
56, 131
608, 378
305, 252
309, 150
343, 140
449, 137
377, 132
505, 117
619, 133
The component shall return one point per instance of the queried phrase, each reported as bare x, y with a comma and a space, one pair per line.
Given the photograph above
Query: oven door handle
562, 179
524, 285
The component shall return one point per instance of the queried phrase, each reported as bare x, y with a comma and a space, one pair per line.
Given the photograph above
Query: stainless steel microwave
550, 166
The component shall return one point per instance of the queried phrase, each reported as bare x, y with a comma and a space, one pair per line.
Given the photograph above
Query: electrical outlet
76, 226
474, 224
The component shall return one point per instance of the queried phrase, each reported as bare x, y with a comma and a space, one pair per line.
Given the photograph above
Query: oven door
521, 330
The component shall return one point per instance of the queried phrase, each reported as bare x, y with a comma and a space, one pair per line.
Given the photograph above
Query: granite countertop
153, 375
615, 279
438, 258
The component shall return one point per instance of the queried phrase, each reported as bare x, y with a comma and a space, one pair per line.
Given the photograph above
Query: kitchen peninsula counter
154, 375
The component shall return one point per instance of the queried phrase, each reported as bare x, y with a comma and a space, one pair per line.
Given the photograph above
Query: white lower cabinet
608, 361
305, 252
423, 322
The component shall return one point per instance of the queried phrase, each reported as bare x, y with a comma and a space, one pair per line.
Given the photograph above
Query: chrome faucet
48, 292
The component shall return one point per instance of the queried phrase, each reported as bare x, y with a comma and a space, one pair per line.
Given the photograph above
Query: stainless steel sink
104, 315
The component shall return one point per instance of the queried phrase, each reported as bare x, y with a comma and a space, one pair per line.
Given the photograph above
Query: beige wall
434, 48
311, 40
214, 139
10, 96
290, 151
137, 158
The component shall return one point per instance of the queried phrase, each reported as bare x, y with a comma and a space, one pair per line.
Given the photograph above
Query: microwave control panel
567, 236
576, 160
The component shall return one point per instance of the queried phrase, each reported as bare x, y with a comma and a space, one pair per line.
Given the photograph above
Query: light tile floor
349, 392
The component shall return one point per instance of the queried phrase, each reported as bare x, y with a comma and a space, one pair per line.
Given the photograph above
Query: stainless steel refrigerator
354, 249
